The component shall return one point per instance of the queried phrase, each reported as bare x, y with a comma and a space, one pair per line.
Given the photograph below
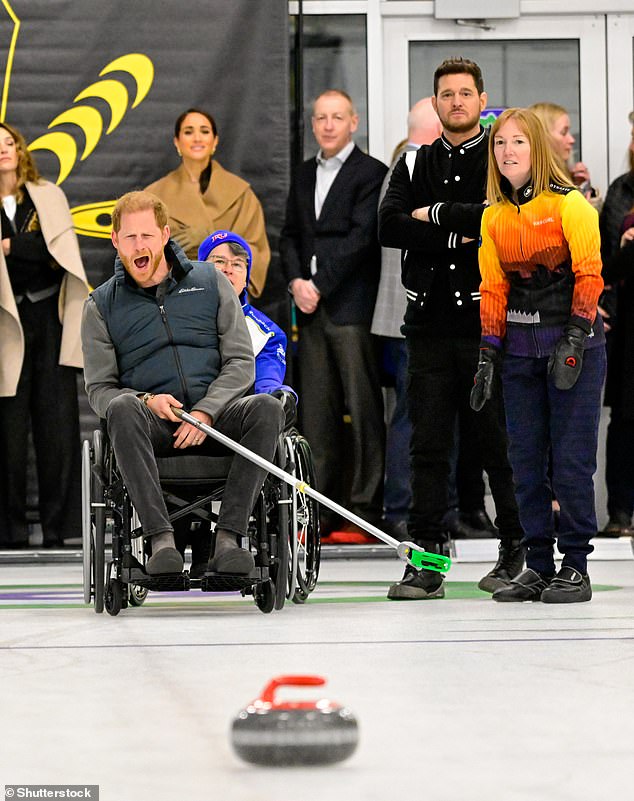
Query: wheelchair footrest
226, 582
167, 582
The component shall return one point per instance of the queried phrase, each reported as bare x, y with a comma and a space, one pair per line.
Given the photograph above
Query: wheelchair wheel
265, 595
271, 526
86, 522
93, 522
280, 547
113, 597
136, 594
306, 524
99, 523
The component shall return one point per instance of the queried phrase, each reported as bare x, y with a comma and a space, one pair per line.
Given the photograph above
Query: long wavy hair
26, 169
545, 168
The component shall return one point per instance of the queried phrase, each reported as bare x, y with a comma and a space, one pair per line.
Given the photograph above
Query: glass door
620, 86
556, 59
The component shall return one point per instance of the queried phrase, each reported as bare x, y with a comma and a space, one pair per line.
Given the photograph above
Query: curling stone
270, 732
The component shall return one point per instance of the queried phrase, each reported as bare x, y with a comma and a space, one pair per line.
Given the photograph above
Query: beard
154, 261
467, 124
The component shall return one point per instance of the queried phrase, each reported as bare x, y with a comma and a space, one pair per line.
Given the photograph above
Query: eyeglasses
237, 265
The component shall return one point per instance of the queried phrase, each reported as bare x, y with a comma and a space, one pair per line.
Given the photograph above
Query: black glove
489, 361
565, 363
289, 404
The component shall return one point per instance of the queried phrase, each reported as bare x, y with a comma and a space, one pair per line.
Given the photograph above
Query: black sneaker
481, 521
619, 525
509, 564
197, 570
568, 587
528, 586
417, 585
469, 525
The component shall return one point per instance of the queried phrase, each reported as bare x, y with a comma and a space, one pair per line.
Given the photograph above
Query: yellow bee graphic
93, 219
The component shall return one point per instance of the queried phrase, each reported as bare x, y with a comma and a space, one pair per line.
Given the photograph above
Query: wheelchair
283, 530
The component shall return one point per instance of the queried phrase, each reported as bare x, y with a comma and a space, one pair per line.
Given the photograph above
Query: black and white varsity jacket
439, 272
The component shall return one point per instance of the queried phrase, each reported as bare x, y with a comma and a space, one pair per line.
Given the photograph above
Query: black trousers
46, 404
441, 373
339, 373
138, 435
619, 463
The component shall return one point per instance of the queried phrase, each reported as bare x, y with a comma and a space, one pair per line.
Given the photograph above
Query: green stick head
423, 560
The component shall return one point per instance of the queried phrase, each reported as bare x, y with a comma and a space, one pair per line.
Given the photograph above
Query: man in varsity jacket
432, 212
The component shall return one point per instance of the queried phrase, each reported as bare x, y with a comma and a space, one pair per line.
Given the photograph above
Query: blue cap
223, 238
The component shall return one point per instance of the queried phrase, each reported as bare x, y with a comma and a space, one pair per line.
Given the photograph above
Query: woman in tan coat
42, 290
202, 197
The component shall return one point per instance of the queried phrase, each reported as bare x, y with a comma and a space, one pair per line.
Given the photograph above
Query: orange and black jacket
540, 263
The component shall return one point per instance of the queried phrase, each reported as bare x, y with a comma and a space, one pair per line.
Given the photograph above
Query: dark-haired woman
202, 196
42, 291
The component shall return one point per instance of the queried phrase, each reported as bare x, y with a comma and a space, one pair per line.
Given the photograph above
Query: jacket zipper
179, 366
533, 326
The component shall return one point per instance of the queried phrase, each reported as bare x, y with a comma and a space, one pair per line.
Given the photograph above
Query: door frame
620, 89
588, 29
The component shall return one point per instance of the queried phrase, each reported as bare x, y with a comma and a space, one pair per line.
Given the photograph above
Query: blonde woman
556, 120
42, 290
540, 264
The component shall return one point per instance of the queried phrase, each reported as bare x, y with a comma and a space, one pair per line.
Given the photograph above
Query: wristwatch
146, 397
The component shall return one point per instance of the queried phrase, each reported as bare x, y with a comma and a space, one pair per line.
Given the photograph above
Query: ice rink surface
460, 699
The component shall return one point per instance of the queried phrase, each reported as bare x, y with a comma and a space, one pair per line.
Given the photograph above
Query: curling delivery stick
407, 551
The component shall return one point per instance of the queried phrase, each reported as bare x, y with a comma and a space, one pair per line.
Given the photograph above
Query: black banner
96, 87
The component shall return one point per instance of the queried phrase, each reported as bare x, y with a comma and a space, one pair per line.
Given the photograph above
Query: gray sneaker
417, 585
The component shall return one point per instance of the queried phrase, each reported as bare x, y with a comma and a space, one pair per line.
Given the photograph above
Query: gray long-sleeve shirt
237, 370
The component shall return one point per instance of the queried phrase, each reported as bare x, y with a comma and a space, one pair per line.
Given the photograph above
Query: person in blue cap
231, 254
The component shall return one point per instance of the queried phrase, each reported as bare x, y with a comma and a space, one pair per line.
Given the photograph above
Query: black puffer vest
168, 343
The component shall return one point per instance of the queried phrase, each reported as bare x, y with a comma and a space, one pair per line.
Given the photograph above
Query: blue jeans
541, 419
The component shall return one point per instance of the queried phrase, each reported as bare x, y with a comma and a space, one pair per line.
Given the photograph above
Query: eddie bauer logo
92, 219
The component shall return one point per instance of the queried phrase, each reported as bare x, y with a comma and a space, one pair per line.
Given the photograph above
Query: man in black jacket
331, 257
432, 212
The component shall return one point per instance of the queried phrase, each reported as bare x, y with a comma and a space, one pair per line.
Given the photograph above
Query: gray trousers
338, 368
138, 436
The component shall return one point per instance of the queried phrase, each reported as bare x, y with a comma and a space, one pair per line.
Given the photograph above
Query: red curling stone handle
296, 681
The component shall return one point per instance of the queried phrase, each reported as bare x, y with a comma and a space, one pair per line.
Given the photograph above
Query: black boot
509, 564
200, 541
419, 585
528, 586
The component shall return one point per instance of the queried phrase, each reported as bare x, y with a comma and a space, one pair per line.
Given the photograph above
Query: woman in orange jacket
540, 264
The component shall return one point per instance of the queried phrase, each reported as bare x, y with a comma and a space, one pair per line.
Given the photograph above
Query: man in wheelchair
165, 332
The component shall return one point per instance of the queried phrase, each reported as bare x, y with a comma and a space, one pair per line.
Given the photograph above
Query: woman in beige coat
42, 290
202, 197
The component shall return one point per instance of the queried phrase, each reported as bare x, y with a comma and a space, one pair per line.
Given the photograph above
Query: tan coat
229, 203
57, 228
